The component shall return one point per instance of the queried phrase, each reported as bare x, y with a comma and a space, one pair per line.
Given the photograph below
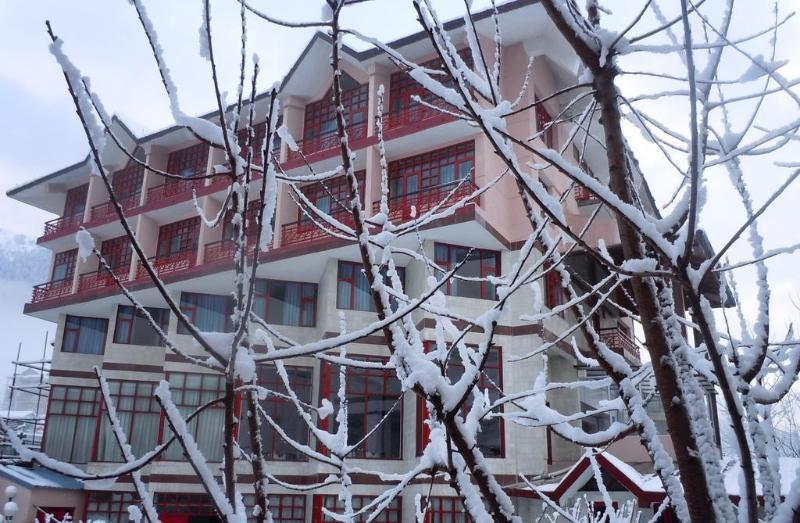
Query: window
229, 231
440, 169
480, 264
71, 423
372, 394
490, 438
139, 416
84, 335
441, 509
283, 412
190, 161
353, 291
173, 505
75, 202
286, 302
178, 237
320, 116
553, 291
404, 88
127, 183
208, 312
332, 196
543, 119
117, 253
111, 507
132, 328
287, 508
64, 265
391, 514
190, 391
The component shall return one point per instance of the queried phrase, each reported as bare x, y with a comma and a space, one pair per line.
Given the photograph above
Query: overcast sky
40, 132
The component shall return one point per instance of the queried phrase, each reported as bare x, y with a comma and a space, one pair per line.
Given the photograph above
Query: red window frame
184, 504
141, 402
423, 172
445, 509
127, 316
337, 189
402, 87
183, 234
251, 217
317, 114
352, 282
189, 161
308, 301
391, 514
127, 182
487, 291
115, 503
423, 430
553, 291
188, 306
368, 376
117, 252
73, 326
64, 259
543, 119
287, 508
75, 201
62, 405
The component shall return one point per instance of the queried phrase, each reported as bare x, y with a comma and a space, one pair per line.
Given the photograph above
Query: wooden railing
171, 188
105, 211
582, 193
303, 231
408, 206
621, 343
100, 278
418, 114
173, 263
62, 225
326, 141
51, 289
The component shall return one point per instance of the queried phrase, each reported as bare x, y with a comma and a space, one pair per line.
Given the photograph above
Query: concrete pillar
378, 75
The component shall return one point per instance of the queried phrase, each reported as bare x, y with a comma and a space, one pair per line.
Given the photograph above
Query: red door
57, 513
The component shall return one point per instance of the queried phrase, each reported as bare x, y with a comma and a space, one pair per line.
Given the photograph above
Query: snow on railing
62, 225
51, 289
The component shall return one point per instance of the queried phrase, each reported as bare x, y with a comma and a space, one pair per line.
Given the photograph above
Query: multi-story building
307, 278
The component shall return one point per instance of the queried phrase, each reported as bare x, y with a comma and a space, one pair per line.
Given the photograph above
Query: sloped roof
37, 477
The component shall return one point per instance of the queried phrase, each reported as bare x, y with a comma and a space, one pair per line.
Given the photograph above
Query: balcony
621, 343
172, 191
328, 142
173, 263
106, 212
583, 194
304, 231
408, 206
52, 289
100, 279
417, 117
61, 226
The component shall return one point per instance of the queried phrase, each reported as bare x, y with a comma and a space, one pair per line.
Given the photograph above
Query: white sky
40, 132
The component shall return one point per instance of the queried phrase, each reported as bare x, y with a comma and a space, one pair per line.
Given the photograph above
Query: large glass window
490, 438
320, 116
139, 416
111, 507
282, 411
71, 423
332, 196
84, 335
441, 509
352, 289
117, 253
178, 237
208, 312
75, 202
372, 395
189, 161
286, 302
132, 328
190, 391
64, 265
127, 182
438, 170
480, 263
287, 508
391, 514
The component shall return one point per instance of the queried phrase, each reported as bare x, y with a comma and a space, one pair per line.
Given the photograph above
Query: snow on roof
18, 414
38, 477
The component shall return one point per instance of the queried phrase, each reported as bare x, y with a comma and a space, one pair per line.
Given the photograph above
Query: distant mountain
21, 259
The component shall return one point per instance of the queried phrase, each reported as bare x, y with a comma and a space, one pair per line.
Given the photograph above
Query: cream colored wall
28, 499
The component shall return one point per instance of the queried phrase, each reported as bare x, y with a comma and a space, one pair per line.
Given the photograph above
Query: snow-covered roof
17, 414
37, 477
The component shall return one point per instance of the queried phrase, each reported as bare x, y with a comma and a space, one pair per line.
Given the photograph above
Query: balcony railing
105, 211
621, 343
62, 225
412, 205
327, 141
582, 193
171, 189
419, 114
101, 279
51, 289
303, 231
173, 263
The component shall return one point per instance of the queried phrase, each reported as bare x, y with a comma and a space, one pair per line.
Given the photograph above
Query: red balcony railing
171, 189
419, 114
326, 141
220, 251
408, 206
105, 211
51, 289
582, 193
101, 279
62, 225
173, 263
306, 230
621, 343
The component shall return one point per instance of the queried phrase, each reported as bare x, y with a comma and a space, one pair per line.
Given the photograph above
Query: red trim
454, 255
